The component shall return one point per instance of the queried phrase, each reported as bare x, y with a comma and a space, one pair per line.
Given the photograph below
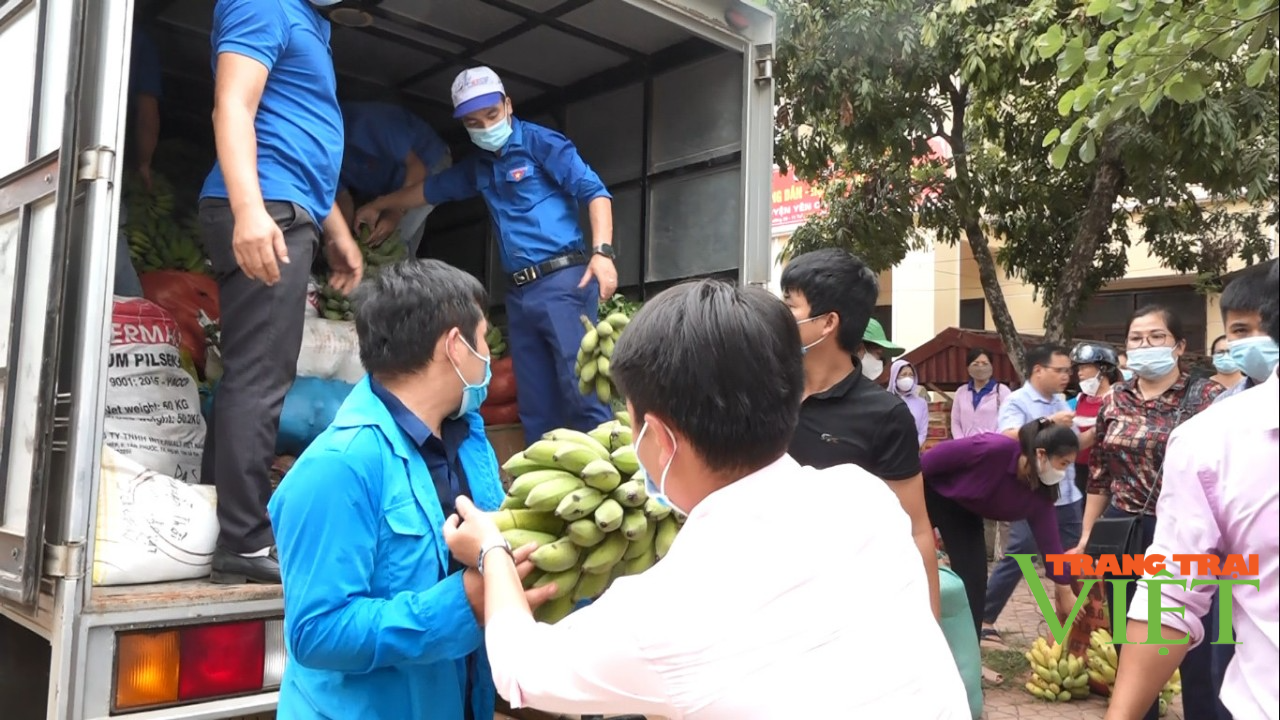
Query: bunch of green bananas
581, 498
497, 345
156, 240
1102, 664
391, 250
595, 353
336, 305
1056, 675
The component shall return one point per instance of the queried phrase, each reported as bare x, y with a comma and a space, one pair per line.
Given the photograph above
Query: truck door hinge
96, 164
64, 561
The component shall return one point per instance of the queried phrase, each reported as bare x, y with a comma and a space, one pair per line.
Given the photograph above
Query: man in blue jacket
387, 148
533, 181
265, 209
379, 623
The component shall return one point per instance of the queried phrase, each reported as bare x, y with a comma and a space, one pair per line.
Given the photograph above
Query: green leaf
1084, 95
1066, 102
1059, 156
1051, 137
1186, 90
1050, 42
1257, 71
1150, 101
1088, 150
1097, 7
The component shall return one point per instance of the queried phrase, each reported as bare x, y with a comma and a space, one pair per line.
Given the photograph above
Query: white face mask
872, 366
658, 491
1090, 386
1050, 475
905, 384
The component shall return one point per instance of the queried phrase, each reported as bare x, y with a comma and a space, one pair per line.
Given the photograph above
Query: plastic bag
151, 527
330, 351
957, 626
309, 407
184, 295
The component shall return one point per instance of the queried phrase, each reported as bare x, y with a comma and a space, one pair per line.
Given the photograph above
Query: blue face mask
492, 138
1127, 374
1224, 363
804, 349
658, 492
1257, 356
1152, 363
473, 396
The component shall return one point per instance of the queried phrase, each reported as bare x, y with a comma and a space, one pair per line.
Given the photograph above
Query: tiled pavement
1019, 626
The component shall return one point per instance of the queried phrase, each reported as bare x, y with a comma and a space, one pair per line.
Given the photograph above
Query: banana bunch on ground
336, 305
581, 498
1056, 675
497, 344
595, 353
1102, 664
157, 241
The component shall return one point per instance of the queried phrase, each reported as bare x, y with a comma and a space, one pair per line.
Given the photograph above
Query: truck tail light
197, 662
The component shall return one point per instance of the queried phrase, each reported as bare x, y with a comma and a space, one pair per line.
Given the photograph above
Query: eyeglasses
1158, 338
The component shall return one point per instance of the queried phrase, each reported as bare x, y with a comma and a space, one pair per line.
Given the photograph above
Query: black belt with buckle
533, 272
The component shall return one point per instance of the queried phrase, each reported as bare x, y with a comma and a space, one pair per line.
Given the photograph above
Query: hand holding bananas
595, 354
579, 497
470, 531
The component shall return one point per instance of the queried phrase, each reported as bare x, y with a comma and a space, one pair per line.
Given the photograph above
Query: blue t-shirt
299, 123
533, 189
144, 65
378, 137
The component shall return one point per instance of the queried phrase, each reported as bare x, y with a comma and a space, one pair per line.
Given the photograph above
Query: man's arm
455, 183
326, 528
566, 667
1011, 419
146, 131
911, 495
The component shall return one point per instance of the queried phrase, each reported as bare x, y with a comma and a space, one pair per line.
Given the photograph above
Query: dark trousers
261, 337
966, 542
1200, 684
545, 329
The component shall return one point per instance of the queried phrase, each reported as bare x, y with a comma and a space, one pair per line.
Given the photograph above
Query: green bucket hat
875, 336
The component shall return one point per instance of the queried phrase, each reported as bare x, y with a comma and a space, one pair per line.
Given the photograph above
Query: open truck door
58, 136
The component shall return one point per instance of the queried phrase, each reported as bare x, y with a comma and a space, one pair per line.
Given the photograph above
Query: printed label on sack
153, 404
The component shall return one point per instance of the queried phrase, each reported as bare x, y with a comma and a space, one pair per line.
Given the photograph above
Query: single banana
655, 510
609, 515
630, 494
523, 485
519, 538
553, 611
584, 533
624, 458
564, 582
604, 433
620, 438
573, 458
601, 450
547, 496
637, 565
634, 524
528, 520
588, 372
642, 544
543, 452
555, 557
590, 341
591, 586
604, 329
604, 556
606, 346
601, 475
617, 321
664, 535
517, 465
604, 390
602, 367
579, 504
623, 417
532, 578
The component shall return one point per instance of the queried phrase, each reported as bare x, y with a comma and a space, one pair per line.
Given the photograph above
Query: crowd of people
761, 420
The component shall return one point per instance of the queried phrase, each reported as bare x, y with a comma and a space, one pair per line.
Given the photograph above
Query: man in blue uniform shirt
262, 210
387, 148
380, 623
533, 180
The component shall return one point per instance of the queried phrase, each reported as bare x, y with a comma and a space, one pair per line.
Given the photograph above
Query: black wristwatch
604, 249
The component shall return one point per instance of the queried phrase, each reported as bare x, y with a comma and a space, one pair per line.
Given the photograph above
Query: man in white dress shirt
790, 592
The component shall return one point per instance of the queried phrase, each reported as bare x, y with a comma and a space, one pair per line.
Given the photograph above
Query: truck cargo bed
175, 594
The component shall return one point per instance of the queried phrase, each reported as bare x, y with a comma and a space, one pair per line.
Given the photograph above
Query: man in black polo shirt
846, 418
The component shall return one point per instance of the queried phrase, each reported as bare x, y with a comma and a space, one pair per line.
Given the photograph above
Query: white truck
670, 100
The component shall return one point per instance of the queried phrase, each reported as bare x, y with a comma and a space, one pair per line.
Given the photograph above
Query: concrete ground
1019, 626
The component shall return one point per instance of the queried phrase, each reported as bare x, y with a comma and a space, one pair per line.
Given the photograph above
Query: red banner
793, 200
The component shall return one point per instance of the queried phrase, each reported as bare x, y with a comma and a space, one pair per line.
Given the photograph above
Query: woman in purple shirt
994, 477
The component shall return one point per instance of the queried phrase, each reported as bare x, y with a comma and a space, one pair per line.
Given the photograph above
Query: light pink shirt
791, 593
1221, 476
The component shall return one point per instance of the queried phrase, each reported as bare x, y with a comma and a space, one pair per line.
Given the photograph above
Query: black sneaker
233, 569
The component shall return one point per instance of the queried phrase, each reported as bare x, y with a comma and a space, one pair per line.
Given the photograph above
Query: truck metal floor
181, 593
